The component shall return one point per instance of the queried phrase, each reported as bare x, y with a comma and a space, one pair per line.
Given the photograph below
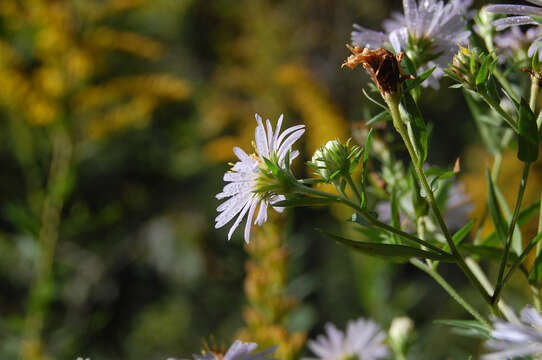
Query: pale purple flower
363, 340
517, 340
521, 15
238, 351
514, 40
244, 174
441, 25
456, 212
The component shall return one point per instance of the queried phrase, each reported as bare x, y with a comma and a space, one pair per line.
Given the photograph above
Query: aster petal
411, 12
262, 213
277, 132
230, 208
514, 9
514, 352
247, 206
536, 2
536, 45
241, 154
276, 199
286, 133
239, 350
250, 216
270, 136
234, 188
502, 24
287, 145
236, 176
262, 147
367, 38
531, 316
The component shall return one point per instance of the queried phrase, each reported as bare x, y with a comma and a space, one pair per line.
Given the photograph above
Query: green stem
513, 221
393, 104
450, 290
354, 187
371, 219
497, 107
41, 288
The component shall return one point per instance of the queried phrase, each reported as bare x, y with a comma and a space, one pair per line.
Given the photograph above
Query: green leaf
528, 138
411, 84
391, 252
421, 134
492, 91
364, 168
443, 176
483, 72
456, 86
374, 101
470, 327
495, 211
381, 117
487, 252
462, 233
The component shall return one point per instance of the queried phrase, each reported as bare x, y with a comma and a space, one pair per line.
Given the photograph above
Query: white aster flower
238, 351
244, 175
428, 32
522, 15
363, 341
515, 40
517, 340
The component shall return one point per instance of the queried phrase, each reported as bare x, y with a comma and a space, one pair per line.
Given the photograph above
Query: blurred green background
117, 120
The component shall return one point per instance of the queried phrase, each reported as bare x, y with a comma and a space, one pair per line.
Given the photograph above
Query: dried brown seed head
383, 66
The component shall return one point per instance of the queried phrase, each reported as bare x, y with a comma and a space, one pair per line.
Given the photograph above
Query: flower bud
335, 159
400, 333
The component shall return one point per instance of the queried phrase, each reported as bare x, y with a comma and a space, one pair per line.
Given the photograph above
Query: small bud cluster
334, 160
472, 68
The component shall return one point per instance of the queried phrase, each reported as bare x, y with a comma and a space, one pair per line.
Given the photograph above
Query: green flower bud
334, 160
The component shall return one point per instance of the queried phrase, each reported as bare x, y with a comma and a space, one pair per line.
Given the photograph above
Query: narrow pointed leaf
381, 117
391, 252
528, 139
472, 327
495, 211
462, 233
411, 84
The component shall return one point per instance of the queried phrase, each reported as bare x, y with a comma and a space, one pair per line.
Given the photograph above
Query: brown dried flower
382, 65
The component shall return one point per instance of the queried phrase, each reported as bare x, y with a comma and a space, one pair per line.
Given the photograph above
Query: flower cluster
428, 32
